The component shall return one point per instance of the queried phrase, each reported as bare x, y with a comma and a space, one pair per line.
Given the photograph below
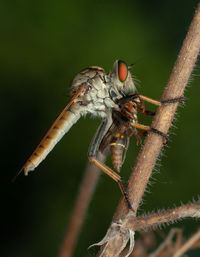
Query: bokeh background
43, 45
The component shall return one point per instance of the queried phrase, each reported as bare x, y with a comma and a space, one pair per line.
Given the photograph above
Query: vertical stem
153, 142
164, 115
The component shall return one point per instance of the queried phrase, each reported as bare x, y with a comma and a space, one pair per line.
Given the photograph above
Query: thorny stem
167, 216
162, 121
86, 190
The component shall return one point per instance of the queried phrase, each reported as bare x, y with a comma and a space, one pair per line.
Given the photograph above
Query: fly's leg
173, 100
148, 128
92, 156
141, 98
155, 102
113, 175
159, 103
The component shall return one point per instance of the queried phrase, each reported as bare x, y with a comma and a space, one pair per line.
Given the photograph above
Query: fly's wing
107, 139
69, 115
116, 127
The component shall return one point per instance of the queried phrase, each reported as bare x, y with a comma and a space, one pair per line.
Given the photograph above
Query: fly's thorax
86, 75
96, 97
103, 90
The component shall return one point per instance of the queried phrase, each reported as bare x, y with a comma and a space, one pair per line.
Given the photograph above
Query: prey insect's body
111, 97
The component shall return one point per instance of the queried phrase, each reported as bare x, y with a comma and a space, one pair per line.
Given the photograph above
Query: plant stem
153, 142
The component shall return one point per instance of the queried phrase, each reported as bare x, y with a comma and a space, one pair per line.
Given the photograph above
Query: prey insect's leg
148, 128
92, 156
146, 112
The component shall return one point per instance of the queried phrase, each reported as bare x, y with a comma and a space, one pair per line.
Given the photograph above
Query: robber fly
111, 97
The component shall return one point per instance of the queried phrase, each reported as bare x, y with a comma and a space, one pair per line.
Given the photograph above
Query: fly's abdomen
118, 148
60, 127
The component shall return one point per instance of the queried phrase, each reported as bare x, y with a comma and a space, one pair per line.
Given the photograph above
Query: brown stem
86, 191
162, 121
188, 210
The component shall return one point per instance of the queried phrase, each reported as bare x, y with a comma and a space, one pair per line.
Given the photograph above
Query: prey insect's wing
57, 130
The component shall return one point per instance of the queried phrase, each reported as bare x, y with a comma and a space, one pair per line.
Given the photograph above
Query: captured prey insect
111, 97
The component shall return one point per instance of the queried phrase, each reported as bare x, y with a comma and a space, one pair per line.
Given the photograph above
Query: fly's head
121, 81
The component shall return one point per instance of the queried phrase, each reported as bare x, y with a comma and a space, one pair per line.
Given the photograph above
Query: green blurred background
43, 45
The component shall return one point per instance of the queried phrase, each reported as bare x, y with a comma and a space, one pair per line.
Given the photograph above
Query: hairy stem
191, 210
162, 121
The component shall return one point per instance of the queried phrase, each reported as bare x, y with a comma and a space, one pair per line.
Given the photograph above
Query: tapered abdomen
58, 129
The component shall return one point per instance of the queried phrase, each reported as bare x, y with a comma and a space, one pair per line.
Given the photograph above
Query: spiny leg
173, 100
139, 99
92, 156
148, 128
159, 103
142, 98
114, 176
155, 102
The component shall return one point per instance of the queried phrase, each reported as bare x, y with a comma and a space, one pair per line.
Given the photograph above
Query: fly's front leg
155, 102
140, 98
92, 156
159, 103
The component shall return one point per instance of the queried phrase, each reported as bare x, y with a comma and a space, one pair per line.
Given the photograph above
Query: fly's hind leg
113, 175
92, 156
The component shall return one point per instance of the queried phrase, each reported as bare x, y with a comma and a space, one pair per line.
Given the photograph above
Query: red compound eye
122, 71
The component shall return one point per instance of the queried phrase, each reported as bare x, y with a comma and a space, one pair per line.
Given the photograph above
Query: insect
111, 97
